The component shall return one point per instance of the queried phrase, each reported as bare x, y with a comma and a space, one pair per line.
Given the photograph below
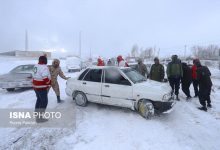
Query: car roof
27, 65
103, 67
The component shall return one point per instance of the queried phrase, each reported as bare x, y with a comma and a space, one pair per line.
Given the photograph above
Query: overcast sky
109, 27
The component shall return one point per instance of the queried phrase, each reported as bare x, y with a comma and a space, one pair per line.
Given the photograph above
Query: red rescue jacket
194, 73
41, 77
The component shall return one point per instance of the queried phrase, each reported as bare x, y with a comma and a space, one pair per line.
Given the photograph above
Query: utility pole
158, 53
90, 53
185, 52
26, 40
219, 58
154, 52
80, 43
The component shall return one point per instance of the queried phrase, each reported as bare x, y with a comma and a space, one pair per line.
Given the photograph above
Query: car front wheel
80, 99
146, 108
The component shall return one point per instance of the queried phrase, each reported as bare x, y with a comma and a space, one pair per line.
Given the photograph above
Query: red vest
194, 73
41, 77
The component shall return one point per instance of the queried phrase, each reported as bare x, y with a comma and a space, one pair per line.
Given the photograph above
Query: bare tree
134, 51
202, 52
147, 53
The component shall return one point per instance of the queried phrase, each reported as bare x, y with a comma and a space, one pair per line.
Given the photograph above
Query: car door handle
107, 86
84, 82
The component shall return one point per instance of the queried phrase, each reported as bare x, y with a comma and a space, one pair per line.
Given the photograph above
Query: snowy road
106, 127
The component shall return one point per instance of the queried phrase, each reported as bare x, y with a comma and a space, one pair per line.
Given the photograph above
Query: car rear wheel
146, 109
80, 99
10, 89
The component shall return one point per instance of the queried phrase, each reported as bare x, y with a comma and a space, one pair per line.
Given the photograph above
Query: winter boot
188, 98
203, 108
59, 100
209, 105
177, 98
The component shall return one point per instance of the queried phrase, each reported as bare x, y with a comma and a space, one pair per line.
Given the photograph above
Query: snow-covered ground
105, 127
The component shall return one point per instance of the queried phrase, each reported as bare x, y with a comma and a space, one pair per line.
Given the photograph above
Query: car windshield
134, 76
23, 68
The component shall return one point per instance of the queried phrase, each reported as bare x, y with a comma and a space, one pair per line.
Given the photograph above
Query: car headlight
166, 97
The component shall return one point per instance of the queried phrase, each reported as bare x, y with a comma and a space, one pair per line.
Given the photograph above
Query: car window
83, 74
134, 76
23, 68
17, 69
113, 76
28, 68
94, 75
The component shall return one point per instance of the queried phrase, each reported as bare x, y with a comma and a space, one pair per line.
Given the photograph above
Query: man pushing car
55, 70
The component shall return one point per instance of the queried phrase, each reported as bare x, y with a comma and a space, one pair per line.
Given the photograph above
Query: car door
116, 89
91, 85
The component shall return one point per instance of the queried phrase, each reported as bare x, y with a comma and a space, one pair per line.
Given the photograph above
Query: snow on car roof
102, 67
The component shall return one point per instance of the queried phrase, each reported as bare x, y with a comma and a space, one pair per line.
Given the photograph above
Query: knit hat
42, 60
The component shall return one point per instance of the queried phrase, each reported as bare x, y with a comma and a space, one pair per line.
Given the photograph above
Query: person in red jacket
41, 84
100, 62
121, 62
194, 78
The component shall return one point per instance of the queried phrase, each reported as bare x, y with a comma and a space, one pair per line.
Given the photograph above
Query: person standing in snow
121, 62
174, 74
205, 85
157, 71
109, 63
194, 78
100, 62
41, 83
55, 70
186, 80
141, 68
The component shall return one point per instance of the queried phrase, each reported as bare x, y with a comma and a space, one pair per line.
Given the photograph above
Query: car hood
15, 77
151, 90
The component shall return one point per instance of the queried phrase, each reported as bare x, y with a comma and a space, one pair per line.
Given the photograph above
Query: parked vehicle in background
19, 77
73, 64
122, 87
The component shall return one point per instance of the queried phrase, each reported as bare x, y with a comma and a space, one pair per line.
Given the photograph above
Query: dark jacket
187, 74
203, 76
157, 72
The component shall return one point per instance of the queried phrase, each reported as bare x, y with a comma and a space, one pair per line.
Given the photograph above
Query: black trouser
175, 84
185, 88
42, 100
204, 95
195, 85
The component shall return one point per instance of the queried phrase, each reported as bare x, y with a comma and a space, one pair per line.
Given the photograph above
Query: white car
19, 77
122, 87
73, 64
